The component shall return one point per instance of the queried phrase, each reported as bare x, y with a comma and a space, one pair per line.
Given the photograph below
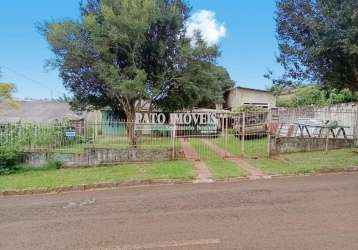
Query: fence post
268, 145
173, 140
269, 128
226, 127
243, 134
222, 124
355, 129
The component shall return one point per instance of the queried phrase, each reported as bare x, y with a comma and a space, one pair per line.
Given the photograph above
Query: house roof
39, 111
244, 88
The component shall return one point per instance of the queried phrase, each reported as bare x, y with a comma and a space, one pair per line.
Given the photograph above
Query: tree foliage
6, 91
318, 42
313, 95
124, 51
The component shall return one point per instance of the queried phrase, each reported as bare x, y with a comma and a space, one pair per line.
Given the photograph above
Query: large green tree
123, 53
318, 42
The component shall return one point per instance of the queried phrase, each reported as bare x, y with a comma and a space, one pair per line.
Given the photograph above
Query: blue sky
247, 41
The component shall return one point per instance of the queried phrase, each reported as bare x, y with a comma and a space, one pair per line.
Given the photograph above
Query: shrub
250, 108
9, 156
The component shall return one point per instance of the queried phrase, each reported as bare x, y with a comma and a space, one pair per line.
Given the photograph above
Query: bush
250, 108
313, 95
9, 156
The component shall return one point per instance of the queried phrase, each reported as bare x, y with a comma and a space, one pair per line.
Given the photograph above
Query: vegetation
9, 154
313, 95
249, 108
6, 91
220, 168
54, 178
15, 138
318, 42
293, 163
124, 54
253, 148
308, 162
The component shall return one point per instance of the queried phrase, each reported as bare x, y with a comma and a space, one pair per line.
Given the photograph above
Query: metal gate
242, 134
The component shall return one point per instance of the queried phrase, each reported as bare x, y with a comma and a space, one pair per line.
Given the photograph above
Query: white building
240, 96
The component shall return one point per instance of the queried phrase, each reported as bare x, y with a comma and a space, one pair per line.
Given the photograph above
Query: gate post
173, 140
355, 128
226, 127
243, 134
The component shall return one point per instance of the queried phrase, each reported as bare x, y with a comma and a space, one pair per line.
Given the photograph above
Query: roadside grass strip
54, 178
219, 167
308, 162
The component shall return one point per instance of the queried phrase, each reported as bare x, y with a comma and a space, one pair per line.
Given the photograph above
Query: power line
32, 80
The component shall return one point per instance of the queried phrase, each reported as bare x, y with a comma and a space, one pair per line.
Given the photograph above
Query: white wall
238, 97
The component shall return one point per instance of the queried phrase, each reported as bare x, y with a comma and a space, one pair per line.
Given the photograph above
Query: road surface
317, 212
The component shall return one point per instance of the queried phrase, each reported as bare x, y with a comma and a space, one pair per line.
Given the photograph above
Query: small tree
126, 53
6, 91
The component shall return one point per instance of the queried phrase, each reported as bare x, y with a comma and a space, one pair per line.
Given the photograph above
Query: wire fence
233, 135
315, 123
76, 137
230, 134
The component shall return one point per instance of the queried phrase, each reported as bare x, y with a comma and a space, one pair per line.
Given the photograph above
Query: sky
244, 30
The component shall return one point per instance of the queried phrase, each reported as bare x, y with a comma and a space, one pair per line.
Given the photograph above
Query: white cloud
205, 22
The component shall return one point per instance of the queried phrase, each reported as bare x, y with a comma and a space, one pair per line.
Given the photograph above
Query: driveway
317, 212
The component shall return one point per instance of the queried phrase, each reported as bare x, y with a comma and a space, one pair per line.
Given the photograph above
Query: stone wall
301, 144
98, 156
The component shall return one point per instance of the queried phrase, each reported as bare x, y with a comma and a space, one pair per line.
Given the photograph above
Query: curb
99, 186
86, 187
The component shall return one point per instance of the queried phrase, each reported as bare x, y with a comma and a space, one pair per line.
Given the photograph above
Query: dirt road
318, 212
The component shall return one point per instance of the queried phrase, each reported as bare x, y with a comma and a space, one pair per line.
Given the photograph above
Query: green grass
308, 162
252, 148
220, 168
287, 164
53, 178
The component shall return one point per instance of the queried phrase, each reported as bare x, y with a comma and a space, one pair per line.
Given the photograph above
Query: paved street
318, 212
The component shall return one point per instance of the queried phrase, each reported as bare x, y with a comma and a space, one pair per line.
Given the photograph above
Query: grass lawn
308, 162
219, 167
287, 164
52, 178
253, 148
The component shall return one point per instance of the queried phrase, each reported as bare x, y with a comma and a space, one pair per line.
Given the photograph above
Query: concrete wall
301, 144
99, 156
237, 97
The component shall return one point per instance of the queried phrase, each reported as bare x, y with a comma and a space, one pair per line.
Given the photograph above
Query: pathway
254, 173
201, 171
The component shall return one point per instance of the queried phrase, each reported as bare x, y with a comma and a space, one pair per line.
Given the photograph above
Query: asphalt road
318, 212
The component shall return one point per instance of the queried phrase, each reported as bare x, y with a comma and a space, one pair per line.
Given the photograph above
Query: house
240, 96
40, 111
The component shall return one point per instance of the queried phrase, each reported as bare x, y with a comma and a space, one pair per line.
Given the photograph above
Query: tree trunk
129, 108
132, 136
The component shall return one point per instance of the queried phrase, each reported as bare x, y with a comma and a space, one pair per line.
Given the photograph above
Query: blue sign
70, 134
